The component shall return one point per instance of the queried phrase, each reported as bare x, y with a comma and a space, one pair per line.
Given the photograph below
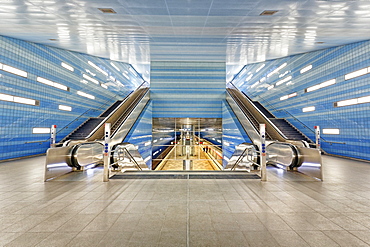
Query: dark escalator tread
263, 109
111, 108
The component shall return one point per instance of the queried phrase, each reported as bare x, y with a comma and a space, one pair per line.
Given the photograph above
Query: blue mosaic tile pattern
328, 64
187, 89
17, 120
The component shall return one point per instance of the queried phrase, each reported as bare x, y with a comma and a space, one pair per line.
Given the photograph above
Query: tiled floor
288, 210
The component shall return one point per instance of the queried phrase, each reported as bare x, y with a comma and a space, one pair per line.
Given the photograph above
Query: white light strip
355, 101
255, 84
277, 69
330, 131
305, 69
263, 79
308, 109
97, 68
133, 71
104, 86
270, 87
321, 85
114, 66
126, 76
261, 67
284, 80
40, 130
288, 96
64, 108
85, 95
16, 99
249, 77
356, 73
90, 78
14, 71
66, 66
1, 66
51, 83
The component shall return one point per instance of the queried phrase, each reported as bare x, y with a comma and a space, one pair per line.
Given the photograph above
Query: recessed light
269, 12
107, 10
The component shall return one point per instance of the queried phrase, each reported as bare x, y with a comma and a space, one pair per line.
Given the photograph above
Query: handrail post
317, 136
263, 152
106, 152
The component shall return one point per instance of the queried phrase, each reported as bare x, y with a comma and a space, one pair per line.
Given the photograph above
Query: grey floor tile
173, 238
28, 239
57, 239
363, 235
317, 239
260, 239
344, 238
86, 239
203, 238
289, 239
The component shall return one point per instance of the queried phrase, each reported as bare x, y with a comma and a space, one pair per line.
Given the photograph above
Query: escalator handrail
110, 114
263, 115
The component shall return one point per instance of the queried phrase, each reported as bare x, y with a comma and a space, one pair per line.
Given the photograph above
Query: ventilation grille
269, 12
107, 10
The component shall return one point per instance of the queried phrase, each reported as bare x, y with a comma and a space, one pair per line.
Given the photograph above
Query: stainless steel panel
88, 154
242, 158
311, 163
247, 125
57, 162
123, 161
122, 132
282, 154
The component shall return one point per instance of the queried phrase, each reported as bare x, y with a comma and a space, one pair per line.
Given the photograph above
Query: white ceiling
187, 30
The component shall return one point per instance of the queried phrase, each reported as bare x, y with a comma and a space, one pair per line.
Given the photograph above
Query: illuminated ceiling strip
321, 85
66, 66
14, 70
17, 99
52, 83
277, 69
90, 78
308, 109
305, 69
97, 68
331, 131
85, 95
356, 73
355, 101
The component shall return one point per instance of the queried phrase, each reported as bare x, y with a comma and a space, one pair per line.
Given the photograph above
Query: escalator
84, 146
285, 145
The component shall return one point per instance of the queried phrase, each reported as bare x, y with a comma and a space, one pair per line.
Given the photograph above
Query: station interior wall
187, 89
17, 120
287, 85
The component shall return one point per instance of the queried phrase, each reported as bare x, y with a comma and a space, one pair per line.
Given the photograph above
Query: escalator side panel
251, 131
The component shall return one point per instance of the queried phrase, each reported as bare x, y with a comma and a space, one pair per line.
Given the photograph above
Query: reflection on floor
174, 161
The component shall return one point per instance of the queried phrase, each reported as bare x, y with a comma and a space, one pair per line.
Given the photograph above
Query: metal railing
121, 151
249, 153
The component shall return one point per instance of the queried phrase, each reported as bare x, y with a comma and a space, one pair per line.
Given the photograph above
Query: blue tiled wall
17, 120
141, 134
187, 89
233, 133
333, 63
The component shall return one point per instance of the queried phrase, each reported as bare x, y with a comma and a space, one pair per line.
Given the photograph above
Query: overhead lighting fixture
67, 66
355, 101
321, 85
308, 109
330, 131
64, 108
40, 130
356, 74
305, 69
107, 10
269, 12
